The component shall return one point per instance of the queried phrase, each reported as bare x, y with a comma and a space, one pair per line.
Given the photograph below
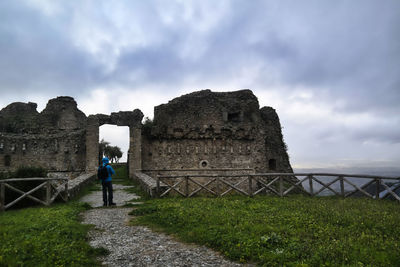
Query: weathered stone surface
80, 182
226, 130
62, 113
55, 151
127, 118
19, 118
121, 118
53, 139
207, 114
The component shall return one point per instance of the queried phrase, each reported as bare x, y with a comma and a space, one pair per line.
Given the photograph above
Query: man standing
104, 173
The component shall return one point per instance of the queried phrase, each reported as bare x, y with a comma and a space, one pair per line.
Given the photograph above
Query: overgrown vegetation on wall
24, 172
146, 127
292, 231
27, 171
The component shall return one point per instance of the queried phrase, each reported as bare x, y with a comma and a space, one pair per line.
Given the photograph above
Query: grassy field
45, 236
292, 231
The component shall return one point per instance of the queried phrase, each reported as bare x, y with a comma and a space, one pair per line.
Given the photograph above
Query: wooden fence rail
53, 189
280, 184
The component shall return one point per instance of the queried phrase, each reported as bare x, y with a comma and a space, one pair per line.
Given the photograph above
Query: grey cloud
376, 133
355, 53
36, 55
320, 44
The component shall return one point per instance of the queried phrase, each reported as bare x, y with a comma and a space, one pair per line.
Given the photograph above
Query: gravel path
137, 245
120, 196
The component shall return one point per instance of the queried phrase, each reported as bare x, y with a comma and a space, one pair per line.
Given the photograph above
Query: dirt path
137, 245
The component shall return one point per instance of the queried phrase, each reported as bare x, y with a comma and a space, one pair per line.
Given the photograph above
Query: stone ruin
215, 130
201, 130
53, 139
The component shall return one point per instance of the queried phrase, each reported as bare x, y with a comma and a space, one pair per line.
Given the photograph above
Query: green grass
46, 236
121, 175
290, 231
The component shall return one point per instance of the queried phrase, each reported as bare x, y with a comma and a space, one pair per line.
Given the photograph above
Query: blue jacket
110, 170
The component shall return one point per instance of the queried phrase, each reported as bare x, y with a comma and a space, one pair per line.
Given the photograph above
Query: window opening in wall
7, 160
272, 164
203, 164
234, 117
114, 136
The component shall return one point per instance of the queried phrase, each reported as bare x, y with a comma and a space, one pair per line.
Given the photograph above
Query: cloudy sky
331, 69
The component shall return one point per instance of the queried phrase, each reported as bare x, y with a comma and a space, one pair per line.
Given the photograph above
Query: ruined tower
207, 129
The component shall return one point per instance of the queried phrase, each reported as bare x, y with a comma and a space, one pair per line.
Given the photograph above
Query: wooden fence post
341, 186
218, 191
66, 191
250, 186
378, 188
158, 187
2, 197
281, 186
48, 192
310, 181
187, 186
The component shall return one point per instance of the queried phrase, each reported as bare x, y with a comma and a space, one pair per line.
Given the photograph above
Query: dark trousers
107, 186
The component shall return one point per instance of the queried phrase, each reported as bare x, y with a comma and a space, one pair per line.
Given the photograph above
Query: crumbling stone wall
215, 130
53, 139
201, 130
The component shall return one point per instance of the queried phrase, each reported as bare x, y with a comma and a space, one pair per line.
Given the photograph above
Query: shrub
147, 125
4, 175
29, 171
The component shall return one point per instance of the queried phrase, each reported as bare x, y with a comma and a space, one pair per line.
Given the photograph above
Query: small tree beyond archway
114, 153
114, 142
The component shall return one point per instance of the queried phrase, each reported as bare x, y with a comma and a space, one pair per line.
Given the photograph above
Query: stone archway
132, 119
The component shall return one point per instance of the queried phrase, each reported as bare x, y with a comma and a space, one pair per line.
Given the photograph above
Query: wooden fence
204, 170
280, 184
53, 189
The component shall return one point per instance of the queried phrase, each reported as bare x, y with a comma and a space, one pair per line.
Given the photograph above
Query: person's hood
105, 160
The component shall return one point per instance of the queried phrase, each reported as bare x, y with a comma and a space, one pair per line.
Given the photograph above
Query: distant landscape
381, 171
378, 171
